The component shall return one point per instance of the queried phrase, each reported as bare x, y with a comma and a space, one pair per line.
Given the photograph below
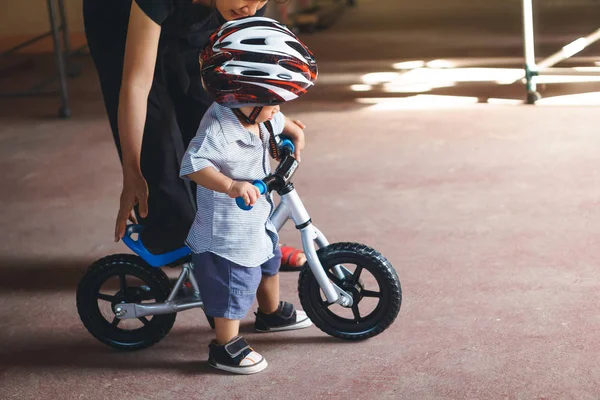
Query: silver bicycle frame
171, 305
290, 207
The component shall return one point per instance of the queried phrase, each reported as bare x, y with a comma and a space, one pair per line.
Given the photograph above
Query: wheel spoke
356, 312
345, 271
356, 274
115, 321
325, 303
144, 320
105, 297
333, 278
146, 297
123, 283
370, 293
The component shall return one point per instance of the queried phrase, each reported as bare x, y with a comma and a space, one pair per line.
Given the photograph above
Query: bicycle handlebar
262, 188
266, 185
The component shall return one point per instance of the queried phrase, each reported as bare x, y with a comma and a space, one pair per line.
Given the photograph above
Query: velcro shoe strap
236, 346
286, 310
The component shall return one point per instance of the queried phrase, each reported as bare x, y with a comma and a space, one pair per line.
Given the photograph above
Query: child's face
267, 114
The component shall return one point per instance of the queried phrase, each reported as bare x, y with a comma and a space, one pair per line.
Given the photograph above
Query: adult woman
146, 55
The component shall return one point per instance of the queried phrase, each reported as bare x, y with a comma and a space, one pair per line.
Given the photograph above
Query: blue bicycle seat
155, 260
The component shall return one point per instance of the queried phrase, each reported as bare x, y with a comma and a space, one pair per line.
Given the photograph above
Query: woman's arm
138, 72
294, 129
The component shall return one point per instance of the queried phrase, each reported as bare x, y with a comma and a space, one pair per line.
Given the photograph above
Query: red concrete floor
488, 213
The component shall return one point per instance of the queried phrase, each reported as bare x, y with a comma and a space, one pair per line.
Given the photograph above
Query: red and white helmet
254, 62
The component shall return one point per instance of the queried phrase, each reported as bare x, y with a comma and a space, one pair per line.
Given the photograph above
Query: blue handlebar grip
288, 143
262, 187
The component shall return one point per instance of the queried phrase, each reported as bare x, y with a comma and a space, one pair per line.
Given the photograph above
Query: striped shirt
247, 238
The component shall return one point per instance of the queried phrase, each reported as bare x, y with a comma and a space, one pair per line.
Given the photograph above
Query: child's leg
268, 294
273, 314
228, 291
226, 329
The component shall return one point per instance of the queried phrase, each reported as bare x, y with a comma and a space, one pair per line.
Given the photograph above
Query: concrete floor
487, 213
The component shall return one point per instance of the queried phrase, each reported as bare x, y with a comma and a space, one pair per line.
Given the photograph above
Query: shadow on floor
86, 354
63, 351
34, 274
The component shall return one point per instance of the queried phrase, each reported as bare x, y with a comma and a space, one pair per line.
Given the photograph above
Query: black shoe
286, 318
236, 356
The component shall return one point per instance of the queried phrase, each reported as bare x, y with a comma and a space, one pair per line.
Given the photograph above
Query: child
250, 65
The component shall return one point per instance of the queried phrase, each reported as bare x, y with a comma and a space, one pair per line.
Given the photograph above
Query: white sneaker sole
248, 370
302, 322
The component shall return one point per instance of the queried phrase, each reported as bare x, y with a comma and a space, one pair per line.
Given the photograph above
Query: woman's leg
105, 23
171, 204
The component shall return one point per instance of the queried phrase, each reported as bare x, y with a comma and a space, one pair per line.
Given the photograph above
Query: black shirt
185, 30
157, 10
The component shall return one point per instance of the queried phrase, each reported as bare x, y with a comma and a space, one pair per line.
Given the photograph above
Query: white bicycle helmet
256, 61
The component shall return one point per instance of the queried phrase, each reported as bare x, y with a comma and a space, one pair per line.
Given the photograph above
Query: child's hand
245, 190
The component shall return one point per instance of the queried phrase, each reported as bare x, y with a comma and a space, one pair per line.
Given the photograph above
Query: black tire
390, 293
157, 287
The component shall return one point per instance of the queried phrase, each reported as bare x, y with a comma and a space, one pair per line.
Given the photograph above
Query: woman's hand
294, 130
135, 191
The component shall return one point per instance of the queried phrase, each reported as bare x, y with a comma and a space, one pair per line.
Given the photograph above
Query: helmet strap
250, 119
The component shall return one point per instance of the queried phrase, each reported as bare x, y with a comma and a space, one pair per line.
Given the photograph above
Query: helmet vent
221, 45
290, 66
253, 72
255, 41
300, 49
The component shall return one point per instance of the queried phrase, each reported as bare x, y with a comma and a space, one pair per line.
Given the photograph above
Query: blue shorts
228, 289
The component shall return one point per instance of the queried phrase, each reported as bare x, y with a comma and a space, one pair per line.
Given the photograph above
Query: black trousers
171, 122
